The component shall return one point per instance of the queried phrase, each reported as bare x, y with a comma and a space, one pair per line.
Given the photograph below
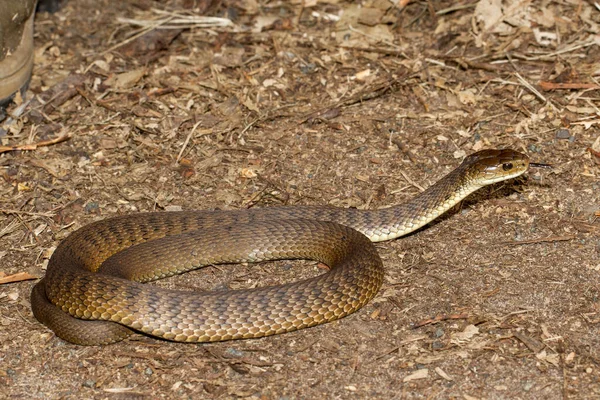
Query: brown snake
93, 291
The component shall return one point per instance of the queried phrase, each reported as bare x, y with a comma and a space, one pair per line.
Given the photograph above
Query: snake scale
94, 292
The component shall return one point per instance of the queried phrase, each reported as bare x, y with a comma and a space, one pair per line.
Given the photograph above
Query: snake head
490, 166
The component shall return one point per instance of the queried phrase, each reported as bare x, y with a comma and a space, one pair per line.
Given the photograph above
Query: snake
94, 291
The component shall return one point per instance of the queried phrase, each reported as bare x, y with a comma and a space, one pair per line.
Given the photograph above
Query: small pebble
92, 207
527, 386
437, 345
308, 68
234, 352
563, 134
289, 55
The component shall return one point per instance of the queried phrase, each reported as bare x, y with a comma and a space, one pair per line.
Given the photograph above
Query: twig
457, 7
187, 140
563, 51
530, 87
551, 85
180, 22
524, 311
594, 152
440, 63
18, 277
33, 146
415, 184
542, 240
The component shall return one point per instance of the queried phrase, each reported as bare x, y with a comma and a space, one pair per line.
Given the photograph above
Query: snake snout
505, 170
491, 166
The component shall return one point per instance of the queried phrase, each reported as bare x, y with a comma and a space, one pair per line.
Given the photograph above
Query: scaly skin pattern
94, 292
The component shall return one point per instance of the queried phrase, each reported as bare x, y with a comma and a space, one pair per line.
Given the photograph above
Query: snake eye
507, 166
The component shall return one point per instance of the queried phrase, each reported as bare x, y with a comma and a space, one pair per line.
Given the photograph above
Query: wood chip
419, 374
443, 374
18, 277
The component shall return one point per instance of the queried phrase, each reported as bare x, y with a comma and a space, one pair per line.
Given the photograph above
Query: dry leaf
466, 335
248, 173
126, 79
467, 97
489, 13
419, 374
428, 359
362, 75
596, 145
443, 374
549, 358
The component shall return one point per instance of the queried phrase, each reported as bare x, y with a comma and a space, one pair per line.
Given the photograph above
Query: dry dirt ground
353, 104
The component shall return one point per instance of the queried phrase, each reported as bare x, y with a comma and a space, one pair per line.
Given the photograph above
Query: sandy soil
343, 103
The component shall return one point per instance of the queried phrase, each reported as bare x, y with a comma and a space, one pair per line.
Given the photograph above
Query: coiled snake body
93, 291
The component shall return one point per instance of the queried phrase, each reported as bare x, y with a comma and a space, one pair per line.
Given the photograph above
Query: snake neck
386, 223
393, 222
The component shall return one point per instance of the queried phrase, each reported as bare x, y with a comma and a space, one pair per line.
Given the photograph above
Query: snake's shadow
493, 192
